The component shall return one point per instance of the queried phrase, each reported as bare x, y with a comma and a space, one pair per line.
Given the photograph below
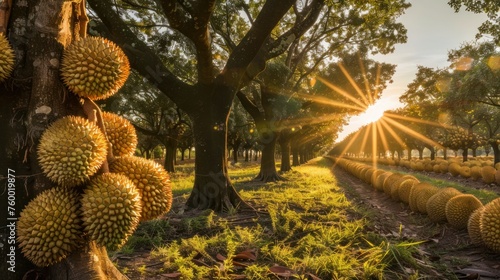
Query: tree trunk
496, 152
183, 151
268, 171
433, 153
445, 153
30, 102
285, 153
168, 164
465, 154
212, 187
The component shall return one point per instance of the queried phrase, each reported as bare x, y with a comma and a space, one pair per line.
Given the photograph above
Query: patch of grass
308, 228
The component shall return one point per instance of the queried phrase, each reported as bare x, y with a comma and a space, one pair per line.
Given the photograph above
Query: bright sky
433, 29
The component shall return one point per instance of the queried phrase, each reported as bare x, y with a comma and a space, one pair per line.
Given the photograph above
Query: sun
373, 113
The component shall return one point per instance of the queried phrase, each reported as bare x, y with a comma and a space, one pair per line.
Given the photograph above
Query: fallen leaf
172, 275
281, 271
220, 257
245, 255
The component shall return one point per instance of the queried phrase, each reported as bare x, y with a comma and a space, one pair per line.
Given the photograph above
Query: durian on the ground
71, 150
94, 67
6, 58
49, 227
489, 225
111, 209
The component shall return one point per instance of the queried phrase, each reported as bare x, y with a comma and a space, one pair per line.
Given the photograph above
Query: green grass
308, 227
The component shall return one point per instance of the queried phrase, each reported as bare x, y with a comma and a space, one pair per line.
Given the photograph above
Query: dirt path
446, 252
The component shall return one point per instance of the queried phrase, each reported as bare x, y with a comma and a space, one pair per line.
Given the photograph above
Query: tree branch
250, 107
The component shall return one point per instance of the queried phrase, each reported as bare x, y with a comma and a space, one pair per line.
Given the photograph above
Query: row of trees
456, 108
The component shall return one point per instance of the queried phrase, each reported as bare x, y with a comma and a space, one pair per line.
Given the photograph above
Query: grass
306, 228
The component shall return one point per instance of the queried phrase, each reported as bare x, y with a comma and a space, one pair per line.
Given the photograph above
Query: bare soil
446, 253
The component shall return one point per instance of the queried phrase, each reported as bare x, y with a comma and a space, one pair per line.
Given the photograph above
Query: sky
433, 29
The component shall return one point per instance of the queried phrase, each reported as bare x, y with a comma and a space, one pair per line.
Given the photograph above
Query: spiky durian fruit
475, 172
152, 182
414, 193
111, 209
121, 134
379, 181
6, 58
396, 184
71, 150
474, 226
368, 175
454, 169
490, 225
49, 227
389, 181
405, 188
436, 204
375, 175
94, 67
423, 196
459, 208
488, 174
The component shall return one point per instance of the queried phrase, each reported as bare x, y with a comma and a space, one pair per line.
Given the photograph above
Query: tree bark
284, 141
496, 152
268, 171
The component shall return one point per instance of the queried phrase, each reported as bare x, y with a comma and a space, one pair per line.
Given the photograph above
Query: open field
319, 224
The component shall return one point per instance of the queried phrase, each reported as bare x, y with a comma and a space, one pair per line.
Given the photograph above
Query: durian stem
5, 7
94, 114
83, 19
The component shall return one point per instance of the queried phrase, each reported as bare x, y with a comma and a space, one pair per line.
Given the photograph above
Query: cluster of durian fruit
101, 190
459, 210
478, 169
6, 58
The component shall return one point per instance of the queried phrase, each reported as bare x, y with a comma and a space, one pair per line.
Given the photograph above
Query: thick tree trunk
170, 158
212, 187
433, 153
445, 153
465, 154
268, 171
285, 153
30, 101
496, 152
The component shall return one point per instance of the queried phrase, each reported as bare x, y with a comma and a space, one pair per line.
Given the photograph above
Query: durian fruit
436, 204
111, 209
121, 134
368, 175
497, 177
375, 175
443, 167
414, 194
152, 182
397, 183
71, 150
475, 172
454, 169
474, 226
465, 172
459, 208
379, 182
423, 197
490, 225
94, 67
6, 58
49, 227
488, 174
389, 181
405, 188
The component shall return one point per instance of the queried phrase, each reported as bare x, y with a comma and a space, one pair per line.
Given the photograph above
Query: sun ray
413, 133
374, 145
343, 93
365, 139
365, 79
392, 132
353, 83
380, 129
328, 101
349, 144
309, 120
377, 80
396, 116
